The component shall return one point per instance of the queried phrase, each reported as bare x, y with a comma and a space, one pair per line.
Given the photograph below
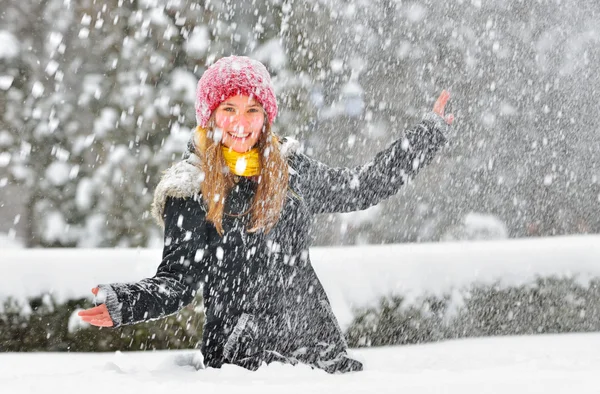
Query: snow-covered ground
535, 364
352, 276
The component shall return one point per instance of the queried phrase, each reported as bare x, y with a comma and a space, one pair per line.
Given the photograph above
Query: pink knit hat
231, 76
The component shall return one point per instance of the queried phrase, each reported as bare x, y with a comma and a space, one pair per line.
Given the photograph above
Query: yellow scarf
243, 164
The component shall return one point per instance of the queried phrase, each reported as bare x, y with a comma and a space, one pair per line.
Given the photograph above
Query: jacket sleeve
327, 190
178, 276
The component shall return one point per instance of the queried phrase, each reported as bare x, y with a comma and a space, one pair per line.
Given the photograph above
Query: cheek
223, 120
256, 123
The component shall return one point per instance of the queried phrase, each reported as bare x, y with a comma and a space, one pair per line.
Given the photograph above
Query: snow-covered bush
549, 305
42, 324
477, 227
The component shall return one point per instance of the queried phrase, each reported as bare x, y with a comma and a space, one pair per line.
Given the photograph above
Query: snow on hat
231, 76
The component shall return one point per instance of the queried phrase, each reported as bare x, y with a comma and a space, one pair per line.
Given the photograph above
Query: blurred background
97, 99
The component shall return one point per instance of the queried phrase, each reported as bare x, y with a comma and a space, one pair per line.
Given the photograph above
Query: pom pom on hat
230, 76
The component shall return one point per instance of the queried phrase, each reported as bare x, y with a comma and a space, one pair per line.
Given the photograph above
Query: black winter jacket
263, 301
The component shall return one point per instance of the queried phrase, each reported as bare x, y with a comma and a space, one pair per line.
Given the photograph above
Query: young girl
236, 215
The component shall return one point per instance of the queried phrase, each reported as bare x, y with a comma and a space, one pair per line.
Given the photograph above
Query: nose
240, 121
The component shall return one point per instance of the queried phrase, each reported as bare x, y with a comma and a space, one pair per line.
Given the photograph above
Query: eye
228, 109
253, 110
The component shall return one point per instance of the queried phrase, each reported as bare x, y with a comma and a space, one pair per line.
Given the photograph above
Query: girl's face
241, 119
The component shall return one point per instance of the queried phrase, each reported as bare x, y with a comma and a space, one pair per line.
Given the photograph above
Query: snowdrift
545, 364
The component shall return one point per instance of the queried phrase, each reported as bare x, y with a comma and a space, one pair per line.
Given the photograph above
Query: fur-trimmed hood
183, 179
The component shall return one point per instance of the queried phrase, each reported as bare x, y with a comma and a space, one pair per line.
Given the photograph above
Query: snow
358, 218
184, 81
4, 159
104, 123
55, 39
55, 227
357, 276
94, 225
84, 194
536, 364
9, 241
158, 17
6, 138
57, 173
477, 226
37, 90
337, 65
20, 172
198, 42
6, 81
51, 67
91, 89
353, 277
75, 322
272, 54
9, 45
352, 103
416, 13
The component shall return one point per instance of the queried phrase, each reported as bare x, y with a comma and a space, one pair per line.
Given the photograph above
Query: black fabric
262, 298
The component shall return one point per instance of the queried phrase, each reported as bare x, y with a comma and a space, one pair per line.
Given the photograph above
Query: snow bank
358, 276
353, 276
548, 364
9, 241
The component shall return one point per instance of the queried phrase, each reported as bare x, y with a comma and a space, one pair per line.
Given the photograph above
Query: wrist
108, 296
437, 121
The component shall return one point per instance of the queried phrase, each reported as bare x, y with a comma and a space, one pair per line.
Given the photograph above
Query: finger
440, 104
93, 311
89, 312
102, 322
99, 322
93, 318
450, 118
85, 313
95, 291
89, 319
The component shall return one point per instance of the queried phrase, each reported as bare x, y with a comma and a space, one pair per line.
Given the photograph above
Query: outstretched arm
327, 190
177, 277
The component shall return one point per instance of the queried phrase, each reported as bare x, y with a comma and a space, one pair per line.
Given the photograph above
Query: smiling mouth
239, 136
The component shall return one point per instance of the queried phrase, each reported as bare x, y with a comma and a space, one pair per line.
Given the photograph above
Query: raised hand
98, 315
440, 106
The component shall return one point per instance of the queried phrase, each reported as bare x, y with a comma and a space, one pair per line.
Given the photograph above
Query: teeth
239, 136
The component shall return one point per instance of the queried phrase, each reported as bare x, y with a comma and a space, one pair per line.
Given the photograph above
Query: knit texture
231, 76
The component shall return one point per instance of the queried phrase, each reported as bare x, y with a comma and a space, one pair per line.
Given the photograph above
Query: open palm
98, 315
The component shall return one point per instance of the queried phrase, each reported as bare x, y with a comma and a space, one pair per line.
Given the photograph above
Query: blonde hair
218, 180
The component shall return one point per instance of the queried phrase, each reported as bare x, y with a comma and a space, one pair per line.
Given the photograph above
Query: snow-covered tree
96, 99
